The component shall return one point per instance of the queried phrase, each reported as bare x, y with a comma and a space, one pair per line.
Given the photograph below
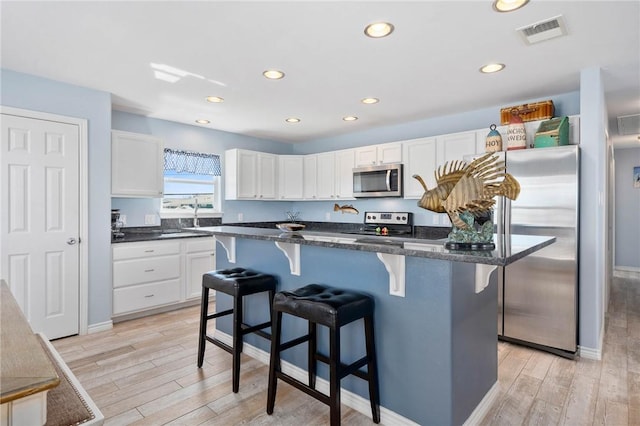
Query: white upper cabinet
267, 183
290, 177
378, 154
310, 177
456, 146
420, 159
137, 165
345, 162
326, 176
250, 175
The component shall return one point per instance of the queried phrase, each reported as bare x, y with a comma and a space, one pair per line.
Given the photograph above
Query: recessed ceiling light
215, 99
350, 118
292, 120
378, 29
508, 5
201, 121
489, 68
273, 74
370, 101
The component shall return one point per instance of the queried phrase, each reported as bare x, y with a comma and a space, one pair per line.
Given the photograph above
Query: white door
39, 221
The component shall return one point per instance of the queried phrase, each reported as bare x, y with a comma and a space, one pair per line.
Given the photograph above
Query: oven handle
389, 180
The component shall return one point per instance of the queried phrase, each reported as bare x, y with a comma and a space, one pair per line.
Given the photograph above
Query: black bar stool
237, 282
333, 308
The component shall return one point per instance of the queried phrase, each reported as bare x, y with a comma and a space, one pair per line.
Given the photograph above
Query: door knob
71, 241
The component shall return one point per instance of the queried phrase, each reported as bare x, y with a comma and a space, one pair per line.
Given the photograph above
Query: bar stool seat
333, 308
238, 283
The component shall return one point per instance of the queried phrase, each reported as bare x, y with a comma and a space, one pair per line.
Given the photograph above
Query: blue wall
627, 208
39, 94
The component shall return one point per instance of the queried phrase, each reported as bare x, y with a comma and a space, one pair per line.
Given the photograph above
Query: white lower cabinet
152, 274
199, 258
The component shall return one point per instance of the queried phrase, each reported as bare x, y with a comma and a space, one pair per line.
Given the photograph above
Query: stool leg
237, 342
372, 369
334, 376
313, 348
274, 363
204, 307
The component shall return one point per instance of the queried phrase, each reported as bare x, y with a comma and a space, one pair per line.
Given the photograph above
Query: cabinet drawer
145, 296
199, 244
134, 250
136, 271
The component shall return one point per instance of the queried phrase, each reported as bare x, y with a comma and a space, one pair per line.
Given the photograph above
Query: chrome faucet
195, 214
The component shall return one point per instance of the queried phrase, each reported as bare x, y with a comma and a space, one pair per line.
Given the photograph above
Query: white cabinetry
378, 154
290, 177
153, 274
420, 159
345, 161
310, 178
250, 175
137, 165
326, 176
145, 275
456, 146
199, 258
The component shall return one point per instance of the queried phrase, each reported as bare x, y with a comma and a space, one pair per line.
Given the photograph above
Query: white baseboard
101, 326
593, 353
483, 408
589, 353
626, 272
355, 401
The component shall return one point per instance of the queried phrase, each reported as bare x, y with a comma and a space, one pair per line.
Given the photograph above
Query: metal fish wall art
347, 208
463, 187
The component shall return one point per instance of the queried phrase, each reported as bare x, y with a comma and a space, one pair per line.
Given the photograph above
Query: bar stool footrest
347, 369
303, 387
219, 314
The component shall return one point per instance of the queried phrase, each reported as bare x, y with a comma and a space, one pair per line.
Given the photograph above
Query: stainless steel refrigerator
538, 295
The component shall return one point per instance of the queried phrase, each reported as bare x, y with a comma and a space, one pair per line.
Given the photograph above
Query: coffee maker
116, 224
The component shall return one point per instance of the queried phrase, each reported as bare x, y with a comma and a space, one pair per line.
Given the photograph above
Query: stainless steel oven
378, 181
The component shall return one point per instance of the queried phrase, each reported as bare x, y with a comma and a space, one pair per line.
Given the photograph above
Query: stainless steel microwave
378, 181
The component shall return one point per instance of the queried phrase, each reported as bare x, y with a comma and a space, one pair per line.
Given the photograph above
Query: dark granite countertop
158, 235
506, 252
174, 229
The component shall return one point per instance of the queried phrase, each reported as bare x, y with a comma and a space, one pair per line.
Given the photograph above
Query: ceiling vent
629, 124
543, 30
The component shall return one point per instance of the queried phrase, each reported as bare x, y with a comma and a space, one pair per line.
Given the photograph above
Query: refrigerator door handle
506, 222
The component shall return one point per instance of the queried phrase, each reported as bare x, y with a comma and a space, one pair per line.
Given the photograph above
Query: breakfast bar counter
435, 314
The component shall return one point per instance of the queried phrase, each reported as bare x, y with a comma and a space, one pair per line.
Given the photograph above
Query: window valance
192, 162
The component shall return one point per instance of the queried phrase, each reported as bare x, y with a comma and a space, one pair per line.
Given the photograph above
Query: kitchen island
435, 315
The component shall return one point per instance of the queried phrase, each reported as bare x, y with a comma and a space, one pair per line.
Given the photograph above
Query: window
191, 184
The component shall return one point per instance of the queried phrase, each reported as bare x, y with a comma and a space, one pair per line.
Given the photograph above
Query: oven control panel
388, 218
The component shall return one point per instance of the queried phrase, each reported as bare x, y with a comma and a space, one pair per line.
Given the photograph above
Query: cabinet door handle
149, 270
149, 251
149, 295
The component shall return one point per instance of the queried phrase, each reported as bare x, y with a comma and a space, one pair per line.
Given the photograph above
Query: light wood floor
143, 372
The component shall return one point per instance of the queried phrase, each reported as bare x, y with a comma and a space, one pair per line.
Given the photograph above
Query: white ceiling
427, 68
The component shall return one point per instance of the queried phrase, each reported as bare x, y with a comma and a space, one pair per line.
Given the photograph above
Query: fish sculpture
463, 187
347, 208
